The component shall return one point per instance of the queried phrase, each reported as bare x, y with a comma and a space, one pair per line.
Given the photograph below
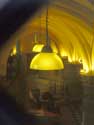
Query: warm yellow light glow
63, 53
13, 51
37, 48
54, 48
46, 61
72, 32
84, 71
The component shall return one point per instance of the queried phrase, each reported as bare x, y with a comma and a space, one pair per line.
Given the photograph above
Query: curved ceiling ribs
70, 29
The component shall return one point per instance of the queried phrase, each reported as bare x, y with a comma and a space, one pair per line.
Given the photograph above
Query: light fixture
37, 39
37, 47
16, 49
13, 51
46, 60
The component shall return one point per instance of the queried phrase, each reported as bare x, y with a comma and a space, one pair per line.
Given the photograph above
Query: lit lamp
37, 47
46, 59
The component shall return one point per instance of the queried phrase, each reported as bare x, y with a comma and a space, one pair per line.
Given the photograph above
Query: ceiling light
46, 60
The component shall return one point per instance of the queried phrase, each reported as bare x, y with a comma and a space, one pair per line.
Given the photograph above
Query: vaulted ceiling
71, 24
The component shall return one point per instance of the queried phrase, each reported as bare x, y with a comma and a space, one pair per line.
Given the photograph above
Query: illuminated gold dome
46, 61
